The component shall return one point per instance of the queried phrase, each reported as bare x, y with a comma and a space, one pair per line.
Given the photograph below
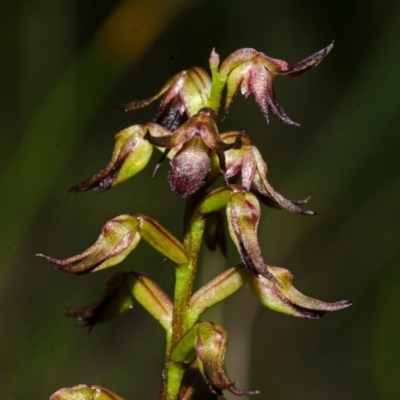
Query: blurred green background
64, 62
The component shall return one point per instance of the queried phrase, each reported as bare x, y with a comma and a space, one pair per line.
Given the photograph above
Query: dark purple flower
191, 144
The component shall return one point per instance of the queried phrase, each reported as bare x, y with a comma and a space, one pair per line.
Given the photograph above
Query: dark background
64, 62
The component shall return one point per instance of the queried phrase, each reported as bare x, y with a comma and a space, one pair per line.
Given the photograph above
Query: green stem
194, 224
181, 322
218, 84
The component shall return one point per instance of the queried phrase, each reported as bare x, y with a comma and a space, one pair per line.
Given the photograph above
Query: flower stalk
185, 130
181, 321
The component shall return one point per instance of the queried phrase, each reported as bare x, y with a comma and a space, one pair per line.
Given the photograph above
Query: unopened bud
85, 392
131, 154
118, 238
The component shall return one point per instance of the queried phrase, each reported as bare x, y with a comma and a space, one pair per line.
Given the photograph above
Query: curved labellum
286, 299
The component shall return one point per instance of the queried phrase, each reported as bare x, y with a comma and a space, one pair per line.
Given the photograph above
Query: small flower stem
181, 323
218, 84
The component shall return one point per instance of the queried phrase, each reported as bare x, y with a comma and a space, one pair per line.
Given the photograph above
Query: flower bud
243, 213
118, 298
131, 154
284, 298
118, 238
183, 96
84, 392
207, 342
190, 167
115, 301
210, 347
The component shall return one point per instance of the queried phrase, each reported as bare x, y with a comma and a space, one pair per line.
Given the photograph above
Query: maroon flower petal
273, 105
260, 84
308, 63
161, 137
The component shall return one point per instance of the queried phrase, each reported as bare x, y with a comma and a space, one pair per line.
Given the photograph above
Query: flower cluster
185, 130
